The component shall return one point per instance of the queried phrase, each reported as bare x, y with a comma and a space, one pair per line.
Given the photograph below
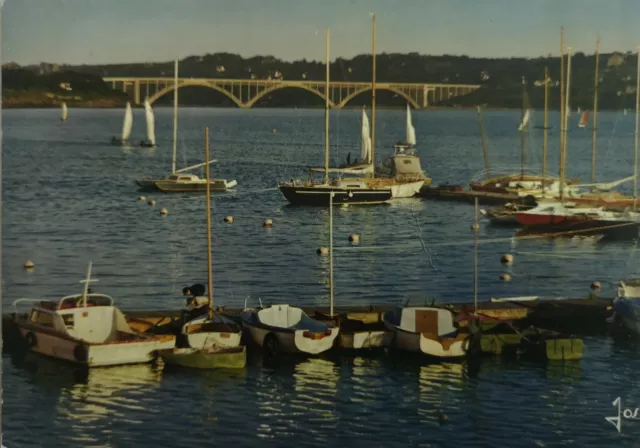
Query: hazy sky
107, 31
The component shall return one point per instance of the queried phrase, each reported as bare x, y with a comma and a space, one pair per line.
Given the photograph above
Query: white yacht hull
293, 341
435, 348
98, 355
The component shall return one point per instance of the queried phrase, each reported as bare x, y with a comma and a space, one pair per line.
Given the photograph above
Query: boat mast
485, 152
476, 229
546, 128
326, 114
562, 111
595, 115
373, 94
209, 274
175, 117
563, 160
331, 253
635, 135
523, 152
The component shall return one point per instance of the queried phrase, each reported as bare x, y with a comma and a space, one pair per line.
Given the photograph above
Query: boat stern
313, 342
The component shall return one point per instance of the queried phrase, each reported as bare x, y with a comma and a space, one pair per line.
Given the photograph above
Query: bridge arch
284, 85
171, 88
366, 89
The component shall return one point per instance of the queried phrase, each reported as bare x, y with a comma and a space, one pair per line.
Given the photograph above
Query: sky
113, 31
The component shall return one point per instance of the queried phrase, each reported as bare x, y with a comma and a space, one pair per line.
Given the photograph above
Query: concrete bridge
246, 92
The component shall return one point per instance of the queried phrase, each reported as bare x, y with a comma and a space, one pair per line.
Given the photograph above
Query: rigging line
424, 246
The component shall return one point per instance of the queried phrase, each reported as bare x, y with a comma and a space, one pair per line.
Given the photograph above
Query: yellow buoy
323, 251
595, 286
505, 277
506, 259
151, 202
475, 227
164, 211
268, 222
141, 198
228, 219
354, 238
29, 264
273, 131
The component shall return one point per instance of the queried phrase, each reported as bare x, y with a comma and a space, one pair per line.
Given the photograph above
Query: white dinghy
286, 328
87, 329
428, 330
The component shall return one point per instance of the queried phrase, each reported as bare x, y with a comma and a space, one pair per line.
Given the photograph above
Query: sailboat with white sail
63, 112
180, 180
127, 125
525, 121
584, 119
150, 142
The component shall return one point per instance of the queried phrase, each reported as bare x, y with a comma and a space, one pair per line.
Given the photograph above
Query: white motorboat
87, 329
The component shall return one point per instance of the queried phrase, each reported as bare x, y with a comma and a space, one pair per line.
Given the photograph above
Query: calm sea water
69, 198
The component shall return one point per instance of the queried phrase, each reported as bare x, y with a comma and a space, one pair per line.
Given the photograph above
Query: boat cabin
629, 289
94, 320
183, 178
428, 320
403, 168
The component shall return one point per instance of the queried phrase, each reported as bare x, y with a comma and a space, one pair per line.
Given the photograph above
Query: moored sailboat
179, 180
63, 112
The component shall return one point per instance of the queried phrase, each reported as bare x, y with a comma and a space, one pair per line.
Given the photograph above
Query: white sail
151, 128
128, 123
63, 112
365, 153
525, 120
411, 132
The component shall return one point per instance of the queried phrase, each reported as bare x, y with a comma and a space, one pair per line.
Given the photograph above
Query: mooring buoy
595, 286
29, 264
323, 251
142, 198
354, 238
151, 202
164, 211
505, 277
475, 227
268, 223
506, 259
228, 219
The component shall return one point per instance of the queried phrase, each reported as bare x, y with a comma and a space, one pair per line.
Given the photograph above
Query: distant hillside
500, 78
26, 88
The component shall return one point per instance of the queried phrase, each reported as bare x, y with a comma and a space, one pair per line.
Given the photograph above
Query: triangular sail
411, 132
128, 123
151, 128
525, 120
365, 153
584, 119
63, 112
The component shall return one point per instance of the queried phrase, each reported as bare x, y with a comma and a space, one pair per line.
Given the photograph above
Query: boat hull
98, 355
319, 196
229, 358
359, 340
290, 341
406, 190
214, 338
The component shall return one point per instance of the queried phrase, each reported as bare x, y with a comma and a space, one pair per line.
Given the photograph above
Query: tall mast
175, 117
476, 229
562, 111
331, 252
595, 116
635, 135
563, 159
209, 273
523, 152
546, 127
373, 95
326, 114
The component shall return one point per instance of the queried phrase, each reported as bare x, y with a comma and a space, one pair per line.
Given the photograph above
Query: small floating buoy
483, 212
151, 202
29, 264
595, 286
228, 219
164, 211
273, 131
323, 251
268, 223
505, 277
142, 198
354, 238
475, 227
506, 259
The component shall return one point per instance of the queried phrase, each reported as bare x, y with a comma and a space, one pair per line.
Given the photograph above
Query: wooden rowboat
225, 358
